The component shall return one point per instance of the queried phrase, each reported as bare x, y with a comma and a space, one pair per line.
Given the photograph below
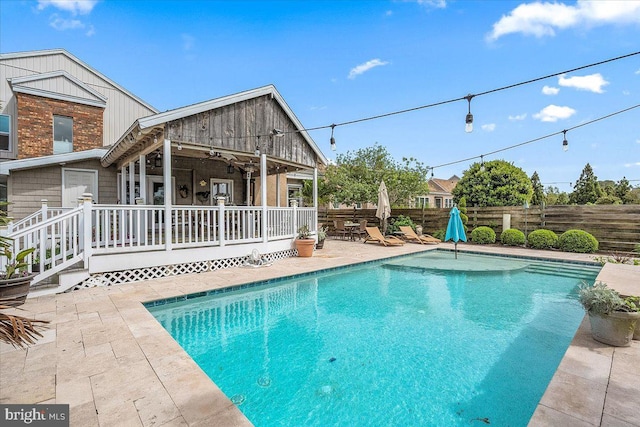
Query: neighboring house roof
58, 159
438, 185
92, 70
37, 84
145, 125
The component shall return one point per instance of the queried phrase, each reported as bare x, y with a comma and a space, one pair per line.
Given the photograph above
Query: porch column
132, 183
315, 195
143, 178
263, 196
123, 185
278, 188
168, 193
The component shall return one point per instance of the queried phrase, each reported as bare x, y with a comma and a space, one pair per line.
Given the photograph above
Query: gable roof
37, 53
38, 84
147, 124
438, 185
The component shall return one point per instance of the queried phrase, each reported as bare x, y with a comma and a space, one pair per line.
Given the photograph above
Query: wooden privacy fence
617, 227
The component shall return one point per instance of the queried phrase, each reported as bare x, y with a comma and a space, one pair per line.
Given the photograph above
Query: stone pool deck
106, 356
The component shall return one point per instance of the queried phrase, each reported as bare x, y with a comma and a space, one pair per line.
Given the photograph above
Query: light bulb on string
469, 119
481, 163
565, 143
332, 140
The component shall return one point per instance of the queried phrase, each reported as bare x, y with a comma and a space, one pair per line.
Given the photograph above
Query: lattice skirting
128, 276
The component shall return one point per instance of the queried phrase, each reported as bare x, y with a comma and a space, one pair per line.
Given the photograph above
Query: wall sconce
179, 146
230, 169
158, 161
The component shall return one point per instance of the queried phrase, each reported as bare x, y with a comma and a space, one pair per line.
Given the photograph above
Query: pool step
586, 272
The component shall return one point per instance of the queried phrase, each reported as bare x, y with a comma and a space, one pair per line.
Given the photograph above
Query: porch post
315, 196
263, 196
143, 178
87, 227
132, 183
221, 220
294, 205
123, 185
278, 188
168, 193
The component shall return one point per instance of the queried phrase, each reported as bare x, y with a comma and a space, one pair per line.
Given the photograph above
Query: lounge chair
411, 236
374, 235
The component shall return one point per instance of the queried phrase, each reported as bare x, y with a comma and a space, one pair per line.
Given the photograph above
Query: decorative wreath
184, 191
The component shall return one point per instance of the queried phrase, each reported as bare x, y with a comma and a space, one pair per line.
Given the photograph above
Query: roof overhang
57, 159
26, 85
142, 127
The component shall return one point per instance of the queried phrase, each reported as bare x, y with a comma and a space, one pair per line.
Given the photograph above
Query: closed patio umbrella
455, 229
384, 207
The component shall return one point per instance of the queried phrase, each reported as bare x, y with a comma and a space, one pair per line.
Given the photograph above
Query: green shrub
395, 223
440, 234
577, 241
483, 235
542, 239
512, 237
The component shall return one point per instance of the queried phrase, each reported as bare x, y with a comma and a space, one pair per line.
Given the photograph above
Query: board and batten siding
122, 108
236, 127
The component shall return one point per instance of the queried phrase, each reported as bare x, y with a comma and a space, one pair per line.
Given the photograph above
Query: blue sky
338, 61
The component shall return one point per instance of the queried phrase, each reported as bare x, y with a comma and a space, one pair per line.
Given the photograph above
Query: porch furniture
374, 235
351, 228
361, 231
411, 236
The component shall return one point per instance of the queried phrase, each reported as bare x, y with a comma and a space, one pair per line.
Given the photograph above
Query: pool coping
106, 356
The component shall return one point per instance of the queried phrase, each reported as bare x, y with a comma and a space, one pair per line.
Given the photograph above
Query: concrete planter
615, 328
305, 247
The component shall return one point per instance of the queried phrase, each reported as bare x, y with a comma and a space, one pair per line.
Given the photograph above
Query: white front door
75, 182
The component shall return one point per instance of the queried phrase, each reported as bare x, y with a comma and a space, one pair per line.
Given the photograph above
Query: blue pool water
423, 340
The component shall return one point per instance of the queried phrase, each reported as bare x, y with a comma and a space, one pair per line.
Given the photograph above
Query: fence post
44, 209
87, 203
294, 205
220, 220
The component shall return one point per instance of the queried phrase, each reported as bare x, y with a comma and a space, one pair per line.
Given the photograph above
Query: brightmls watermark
34, 415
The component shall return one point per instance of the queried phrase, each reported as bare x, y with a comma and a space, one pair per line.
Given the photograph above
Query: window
448, 203
62, 134
294, 192
422, 202
358, 205
222, 188
5, 132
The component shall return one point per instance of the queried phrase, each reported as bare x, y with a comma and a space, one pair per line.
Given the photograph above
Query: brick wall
35, 125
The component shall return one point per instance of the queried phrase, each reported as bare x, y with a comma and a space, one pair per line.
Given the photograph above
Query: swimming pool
415, 340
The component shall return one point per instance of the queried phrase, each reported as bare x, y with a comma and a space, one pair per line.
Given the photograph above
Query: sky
342, 61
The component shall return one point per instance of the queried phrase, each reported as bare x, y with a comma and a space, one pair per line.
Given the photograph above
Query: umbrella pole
455, 249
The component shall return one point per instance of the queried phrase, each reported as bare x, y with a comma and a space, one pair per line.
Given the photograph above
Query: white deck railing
38, 216
74, 235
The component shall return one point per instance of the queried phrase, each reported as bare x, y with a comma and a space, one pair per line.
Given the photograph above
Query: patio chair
411, 236
374, 235
360, 231
340, 229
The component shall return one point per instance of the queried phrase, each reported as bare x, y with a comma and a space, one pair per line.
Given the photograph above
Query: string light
481, 162
332, 140
565, 143
468, 128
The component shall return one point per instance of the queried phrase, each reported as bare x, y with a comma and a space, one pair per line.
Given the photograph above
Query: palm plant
18, 330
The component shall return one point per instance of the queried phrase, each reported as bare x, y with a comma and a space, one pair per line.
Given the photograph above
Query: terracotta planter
615, 328
305, 247
15, 289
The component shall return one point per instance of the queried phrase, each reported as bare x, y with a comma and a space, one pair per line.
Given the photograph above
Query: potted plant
322, 235
15, 281
613, 318
304, 242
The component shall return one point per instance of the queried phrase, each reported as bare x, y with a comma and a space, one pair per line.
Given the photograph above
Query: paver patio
107, 357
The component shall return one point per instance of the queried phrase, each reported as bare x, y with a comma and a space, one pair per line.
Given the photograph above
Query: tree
622, 189
538, 191
462, 206
499, 183
553, 196
356, 176
587, 189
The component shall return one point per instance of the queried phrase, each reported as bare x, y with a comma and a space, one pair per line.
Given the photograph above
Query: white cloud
363, 68
81, 7
637, 71
188, 41
91, 31
553, 113
592, 82
489, 127
518, 117
548, 90
626, 93
630, 165
62, 24
637, 141
543, 19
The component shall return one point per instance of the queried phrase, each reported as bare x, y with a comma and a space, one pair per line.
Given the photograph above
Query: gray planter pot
615, 329
14, 291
